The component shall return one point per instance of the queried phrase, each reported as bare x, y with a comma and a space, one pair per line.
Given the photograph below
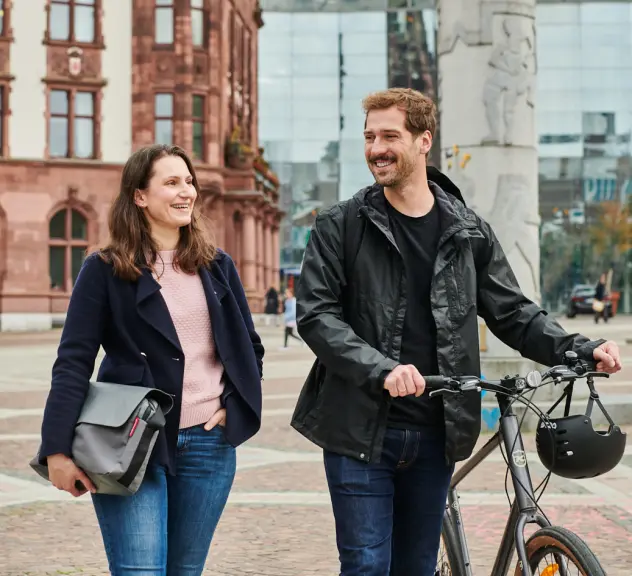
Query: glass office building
318, 58
584, 112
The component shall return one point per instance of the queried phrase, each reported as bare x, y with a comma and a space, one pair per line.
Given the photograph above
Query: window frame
205, 25
72, 116
68, 243
247, 87
72, 37
170, 118
6, 7
201, 120
5, 90
171, 6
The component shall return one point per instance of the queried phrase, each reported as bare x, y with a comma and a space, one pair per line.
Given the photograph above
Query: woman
171, 313
272, 306
290, 316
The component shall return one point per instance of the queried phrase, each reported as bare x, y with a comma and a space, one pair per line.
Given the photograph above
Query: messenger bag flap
112, 405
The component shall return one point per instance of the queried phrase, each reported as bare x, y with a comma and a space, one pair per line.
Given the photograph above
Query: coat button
362, 456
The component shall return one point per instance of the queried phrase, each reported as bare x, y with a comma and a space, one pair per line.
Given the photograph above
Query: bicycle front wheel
554, 551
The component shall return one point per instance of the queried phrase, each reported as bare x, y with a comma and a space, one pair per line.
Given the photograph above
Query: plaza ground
278, 521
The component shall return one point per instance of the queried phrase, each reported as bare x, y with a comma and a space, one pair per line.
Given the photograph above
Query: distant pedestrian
600, 304
271, 309
170, 312
290, 317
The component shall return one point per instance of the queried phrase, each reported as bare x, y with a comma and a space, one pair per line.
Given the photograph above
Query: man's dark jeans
388, 515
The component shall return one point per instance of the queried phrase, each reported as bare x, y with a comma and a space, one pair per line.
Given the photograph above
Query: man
401, 303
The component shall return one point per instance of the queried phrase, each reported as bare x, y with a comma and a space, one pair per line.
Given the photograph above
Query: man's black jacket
354, 325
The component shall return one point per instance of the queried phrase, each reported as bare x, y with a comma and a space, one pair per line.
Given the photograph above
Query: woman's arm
77, 352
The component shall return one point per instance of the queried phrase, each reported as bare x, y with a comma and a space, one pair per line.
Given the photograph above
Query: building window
4, 93
163, 119
68, 243
72, 20
247, 86
72, 124
198, 28
3, 18
198, 126
164, 22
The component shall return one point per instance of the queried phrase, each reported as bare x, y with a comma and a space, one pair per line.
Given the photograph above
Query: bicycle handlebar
571, 370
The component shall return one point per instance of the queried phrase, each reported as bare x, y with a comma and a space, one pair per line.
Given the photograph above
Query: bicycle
552, 544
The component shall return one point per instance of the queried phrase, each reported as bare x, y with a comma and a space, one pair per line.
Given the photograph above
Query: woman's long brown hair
131, 247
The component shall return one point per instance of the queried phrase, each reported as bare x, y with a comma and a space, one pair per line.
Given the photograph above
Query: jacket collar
454, 215
152, 307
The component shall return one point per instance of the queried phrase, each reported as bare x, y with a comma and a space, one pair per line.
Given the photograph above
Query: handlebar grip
435, 382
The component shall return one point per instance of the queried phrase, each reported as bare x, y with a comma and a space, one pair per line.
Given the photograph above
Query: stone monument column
487, 71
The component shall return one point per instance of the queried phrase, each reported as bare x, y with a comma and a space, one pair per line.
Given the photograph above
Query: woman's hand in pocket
218, 419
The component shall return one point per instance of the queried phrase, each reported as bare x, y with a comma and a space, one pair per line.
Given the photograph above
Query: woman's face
170, 194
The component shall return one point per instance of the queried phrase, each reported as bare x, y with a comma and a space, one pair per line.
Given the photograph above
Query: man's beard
397, 172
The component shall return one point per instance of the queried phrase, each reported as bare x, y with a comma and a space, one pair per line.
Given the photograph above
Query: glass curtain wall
317, 60
584, 121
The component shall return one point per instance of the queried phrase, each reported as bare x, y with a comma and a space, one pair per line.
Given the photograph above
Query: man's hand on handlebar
405, 380
608, 357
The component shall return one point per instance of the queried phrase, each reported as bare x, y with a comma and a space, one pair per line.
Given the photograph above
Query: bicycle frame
524, 509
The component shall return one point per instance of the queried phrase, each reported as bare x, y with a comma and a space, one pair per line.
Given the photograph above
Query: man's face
391, 151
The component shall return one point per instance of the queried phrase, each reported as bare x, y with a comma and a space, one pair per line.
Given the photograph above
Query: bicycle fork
455, 513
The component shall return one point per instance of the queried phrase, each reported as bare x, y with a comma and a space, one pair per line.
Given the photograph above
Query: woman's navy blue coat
132, 323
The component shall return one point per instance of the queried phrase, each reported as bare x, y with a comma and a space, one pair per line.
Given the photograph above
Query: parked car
581, 301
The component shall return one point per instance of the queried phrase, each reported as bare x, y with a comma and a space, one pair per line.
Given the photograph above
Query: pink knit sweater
203, 371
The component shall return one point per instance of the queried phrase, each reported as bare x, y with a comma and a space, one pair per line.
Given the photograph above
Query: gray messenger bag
115, 435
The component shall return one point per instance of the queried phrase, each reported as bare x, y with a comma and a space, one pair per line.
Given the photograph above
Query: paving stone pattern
278, 521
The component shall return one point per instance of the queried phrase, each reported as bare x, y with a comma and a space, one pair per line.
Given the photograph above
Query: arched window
68, 243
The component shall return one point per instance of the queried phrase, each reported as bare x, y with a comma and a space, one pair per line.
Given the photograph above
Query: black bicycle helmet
571, 447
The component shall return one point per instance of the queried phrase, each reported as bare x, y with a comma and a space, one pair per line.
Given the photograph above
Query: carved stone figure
512, 75
487, 69
516, 228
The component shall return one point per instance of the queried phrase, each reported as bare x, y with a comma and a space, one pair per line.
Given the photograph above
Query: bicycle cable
544, 483
529, 404
513, 446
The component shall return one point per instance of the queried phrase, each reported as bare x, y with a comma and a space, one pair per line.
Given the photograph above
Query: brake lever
471, 385
443, 391
596, 374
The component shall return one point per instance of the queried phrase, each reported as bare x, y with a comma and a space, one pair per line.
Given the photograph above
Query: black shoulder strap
354, 228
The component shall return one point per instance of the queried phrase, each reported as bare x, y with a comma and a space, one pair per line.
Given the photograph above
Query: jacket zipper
384, 407
457, 294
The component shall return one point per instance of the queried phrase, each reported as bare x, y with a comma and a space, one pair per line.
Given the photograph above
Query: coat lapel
215, 289
152, 308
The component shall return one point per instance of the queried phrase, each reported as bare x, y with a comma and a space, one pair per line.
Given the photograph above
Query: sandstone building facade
83, 83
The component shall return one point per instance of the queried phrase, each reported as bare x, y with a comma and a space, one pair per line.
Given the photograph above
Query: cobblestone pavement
278, 521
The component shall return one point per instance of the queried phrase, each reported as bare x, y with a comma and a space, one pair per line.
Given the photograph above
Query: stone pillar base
25, 322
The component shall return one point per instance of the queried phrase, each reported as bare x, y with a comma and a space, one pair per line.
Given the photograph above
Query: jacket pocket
457, 297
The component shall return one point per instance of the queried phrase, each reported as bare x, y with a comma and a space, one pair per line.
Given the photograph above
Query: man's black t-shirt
417, 240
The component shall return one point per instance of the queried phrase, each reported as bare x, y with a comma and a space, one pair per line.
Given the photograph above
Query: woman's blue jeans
165, 529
